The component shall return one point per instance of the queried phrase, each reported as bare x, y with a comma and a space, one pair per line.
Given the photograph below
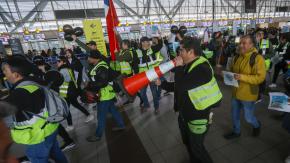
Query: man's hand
178, 61
237, 76
158, 82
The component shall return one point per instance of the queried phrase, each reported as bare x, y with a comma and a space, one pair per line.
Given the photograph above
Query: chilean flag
112, 23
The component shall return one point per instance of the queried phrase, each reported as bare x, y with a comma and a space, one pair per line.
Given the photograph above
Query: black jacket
185, 81
25, 101
286, 56
101, 79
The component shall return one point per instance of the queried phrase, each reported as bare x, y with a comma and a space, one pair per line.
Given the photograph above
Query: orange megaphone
131, 85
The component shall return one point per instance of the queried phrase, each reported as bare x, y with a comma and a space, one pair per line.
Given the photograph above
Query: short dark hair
63, 59
126, 42
92, 43
20, 65
192, 43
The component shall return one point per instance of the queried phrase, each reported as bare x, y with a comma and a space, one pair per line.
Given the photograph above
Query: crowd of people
196, 91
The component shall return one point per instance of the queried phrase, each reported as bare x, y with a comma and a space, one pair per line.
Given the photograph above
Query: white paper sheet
229, 79
279, 101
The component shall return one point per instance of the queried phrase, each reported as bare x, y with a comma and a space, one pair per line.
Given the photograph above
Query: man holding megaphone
196, 92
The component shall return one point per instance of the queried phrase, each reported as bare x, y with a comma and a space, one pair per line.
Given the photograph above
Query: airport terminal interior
145, 81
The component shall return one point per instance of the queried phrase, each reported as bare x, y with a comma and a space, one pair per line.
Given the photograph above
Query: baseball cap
144, 39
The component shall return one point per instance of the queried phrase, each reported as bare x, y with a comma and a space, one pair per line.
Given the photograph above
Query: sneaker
287, 160
231, 135
257, 131
118, 128
273, 85
93, 138
67, 146
89, 118
69, 128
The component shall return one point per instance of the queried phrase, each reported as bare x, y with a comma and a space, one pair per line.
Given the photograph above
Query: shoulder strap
235, 59
253, 59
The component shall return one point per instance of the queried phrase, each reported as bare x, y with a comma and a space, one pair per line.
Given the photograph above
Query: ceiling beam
40, 6
177, 7
233, 7
162, 8
121, 4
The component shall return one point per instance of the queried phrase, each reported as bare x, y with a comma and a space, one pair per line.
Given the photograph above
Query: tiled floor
162, 141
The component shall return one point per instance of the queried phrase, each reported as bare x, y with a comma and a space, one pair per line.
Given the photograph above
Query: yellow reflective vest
63, 89
208, 54
106, 93
125, 67
33, 130
207, 94
152, 63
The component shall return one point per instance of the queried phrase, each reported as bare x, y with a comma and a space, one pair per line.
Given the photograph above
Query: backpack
262, 86
56, 106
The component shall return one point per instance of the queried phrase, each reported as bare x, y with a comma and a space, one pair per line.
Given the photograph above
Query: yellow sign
94, 32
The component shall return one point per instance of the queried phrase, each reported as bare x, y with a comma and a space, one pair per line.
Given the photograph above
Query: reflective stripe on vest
115, 65
106, 93
63, 89
268, 63
33, 130
206, 95
285, 47
264, 46
152, 63
125, 67
208, 54
72, 77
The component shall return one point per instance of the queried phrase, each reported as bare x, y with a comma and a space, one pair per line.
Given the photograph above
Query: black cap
96, 54
174, 29
92, 43
144, 38
38, 60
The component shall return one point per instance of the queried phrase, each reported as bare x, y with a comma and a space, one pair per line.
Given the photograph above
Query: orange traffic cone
131, 85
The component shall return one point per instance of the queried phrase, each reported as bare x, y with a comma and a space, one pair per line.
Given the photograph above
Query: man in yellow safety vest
29, 128
196, 92
145, 58
265, 48
100, 84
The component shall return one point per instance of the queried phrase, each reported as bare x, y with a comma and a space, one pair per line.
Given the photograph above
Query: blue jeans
40, 153
154, 91
103, 108
249, 108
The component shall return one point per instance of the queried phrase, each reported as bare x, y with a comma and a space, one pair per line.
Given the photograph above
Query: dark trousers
194, 143
72, 98
278, 67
